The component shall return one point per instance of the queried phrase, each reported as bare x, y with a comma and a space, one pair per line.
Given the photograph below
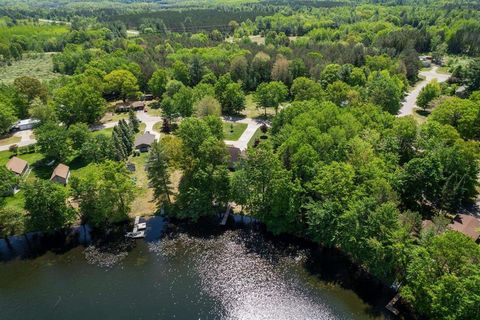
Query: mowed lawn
233, 131
142, 205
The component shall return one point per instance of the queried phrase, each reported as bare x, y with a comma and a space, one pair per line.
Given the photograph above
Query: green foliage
53, 141
8, 181
385, 92
46, 203
105, 194
270, 95
97, 149
7, 117
158, 82
442, 278
266, 190
207, 106
431, 91
121, 84
158, 173
79, 102
78, 134
462, 114
205, 175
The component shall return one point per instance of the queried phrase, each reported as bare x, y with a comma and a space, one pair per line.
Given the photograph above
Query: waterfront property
61, 174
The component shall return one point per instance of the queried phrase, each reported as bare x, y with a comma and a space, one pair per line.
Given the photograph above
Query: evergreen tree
133, 121
158, 175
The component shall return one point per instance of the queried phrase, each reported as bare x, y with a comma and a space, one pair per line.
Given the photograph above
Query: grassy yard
257, 135
158, 126
9, 140
114, 117
38, 66
106, 131
251, 110
233, 131
144, 202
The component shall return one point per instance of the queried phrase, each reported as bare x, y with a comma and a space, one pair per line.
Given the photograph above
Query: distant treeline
190, 20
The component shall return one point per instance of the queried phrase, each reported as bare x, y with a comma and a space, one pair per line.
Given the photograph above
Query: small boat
135, 234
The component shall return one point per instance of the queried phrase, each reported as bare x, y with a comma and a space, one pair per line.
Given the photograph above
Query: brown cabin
17, 166
61, 174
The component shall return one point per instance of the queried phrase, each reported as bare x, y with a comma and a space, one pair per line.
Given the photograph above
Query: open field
38, 66
251, 110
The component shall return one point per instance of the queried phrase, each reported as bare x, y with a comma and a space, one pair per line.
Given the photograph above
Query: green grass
40, 32
233, 131
106, 131
39, 66
256, 136
251, 110
158, 126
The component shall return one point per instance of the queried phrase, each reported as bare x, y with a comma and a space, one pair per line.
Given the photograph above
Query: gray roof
146, 139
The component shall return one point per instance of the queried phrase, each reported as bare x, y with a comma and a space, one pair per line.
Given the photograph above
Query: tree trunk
9, 244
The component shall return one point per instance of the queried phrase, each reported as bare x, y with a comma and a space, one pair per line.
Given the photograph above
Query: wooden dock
138, 229
225, 215
390, 306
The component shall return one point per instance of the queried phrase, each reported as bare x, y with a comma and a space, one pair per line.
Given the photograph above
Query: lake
183, 273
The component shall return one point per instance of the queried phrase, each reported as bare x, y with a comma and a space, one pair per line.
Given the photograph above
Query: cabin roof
61, 171
17, 165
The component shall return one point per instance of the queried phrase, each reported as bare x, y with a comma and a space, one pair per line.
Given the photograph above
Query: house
144, 142
234, 156
61, 174
26, 124
468, 225
17, 166
137, 105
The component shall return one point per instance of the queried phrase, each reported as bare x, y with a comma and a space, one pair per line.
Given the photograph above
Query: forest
335, 164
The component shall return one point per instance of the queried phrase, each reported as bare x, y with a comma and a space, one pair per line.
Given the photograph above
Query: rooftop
146, 138
17, 165
466, 224
60, 171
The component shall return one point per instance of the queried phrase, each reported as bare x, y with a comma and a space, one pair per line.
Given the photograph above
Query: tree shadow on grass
423, 113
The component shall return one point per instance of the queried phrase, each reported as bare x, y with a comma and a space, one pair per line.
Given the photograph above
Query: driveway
410, 103
252, 126
26, 138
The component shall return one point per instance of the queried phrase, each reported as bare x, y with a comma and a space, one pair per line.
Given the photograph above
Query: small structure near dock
138, 229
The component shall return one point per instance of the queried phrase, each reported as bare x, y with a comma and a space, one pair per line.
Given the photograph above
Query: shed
61, 174
144, 142
17, 166
466, 224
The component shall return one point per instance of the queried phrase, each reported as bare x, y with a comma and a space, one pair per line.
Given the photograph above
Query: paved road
242, 142
410, 102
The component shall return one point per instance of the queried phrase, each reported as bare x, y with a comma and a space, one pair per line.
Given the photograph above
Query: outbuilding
17, 166
61, 174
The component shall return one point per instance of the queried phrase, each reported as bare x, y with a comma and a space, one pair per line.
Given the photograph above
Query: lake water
239, 273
